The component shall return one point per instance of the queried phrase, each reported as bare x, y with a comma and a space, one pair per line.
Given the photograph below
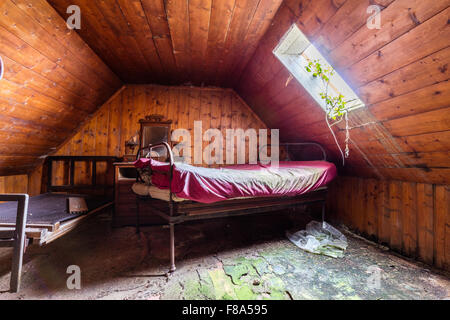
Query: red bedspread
209, 185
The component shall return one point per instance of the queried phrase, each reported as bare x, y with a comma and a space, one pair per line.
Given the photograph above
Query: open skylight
295, 51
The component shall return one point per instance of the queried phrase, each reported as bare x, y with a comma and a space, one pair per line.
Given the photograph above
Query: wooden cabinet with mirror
153, 129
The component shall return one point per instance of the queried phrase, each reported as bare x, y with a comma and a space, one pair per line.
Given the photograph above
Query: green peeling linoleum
285, 272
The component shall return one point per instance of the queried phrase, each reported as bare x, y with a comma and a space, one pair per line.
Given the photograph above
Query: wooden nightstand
125, 200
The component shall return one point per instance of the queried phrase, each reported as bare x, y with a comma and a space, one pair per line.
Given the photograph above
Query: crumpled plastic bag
320, 238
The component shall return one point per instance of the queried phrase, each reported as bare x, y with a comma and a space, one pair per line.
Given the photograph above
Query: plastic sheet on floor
320, 238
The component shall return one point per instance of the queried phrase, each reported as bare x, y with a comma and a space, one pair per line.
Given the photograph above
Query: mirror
155, 130
154, 134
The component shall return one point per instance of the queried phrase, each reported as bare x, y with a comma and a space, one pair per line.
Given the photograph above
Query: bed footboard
93, 187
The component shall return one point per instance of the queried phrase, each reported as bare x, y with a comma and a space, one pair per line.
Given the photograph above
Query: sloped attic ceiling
400, 72
55, 78
52, 81
172, 41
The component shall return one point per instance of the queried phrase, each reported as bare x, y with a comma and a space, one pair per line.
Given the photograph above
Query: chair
15, 237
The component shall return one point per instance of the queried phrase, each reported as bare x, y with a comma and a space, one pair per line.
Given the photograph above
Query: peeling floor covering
236, 258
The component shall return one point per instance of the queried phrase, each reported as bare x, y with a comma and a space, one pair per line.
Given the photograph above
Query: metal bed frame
21, 233
178, 212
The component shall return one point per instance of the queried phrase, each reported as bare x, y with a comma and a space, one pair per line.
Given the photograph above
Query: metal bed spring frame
179, 212
16, 234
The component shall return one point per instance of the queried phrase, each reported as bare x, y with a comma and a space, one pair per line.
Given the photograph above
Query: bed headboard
105, 186
291, 148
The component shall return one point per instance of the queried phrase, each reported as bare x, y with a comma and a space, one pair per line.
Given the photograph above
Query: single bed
179, 192
47, 215
44, 218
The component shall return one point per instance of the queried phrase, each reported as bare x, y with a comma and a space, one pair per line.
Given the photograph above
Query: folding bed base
44, 218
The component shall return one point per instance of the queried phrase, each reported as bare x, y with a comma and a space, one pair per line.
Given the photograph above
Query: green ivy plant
336, 107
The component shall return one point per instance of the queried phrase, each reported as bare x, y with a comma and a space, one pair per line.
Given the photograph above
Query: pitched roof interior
400, 71
55, 78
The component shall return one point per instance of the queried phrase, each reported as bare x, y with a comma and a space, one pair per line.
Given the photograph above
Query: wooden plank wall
35, 184
14, 184
411, 218
117, 121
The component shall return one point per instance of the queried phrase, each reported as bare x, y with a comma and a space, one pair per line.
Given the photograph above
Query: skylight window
295, 51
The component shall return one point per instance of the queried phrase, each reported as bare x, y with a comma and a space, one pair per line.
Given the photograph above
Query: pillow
140, 189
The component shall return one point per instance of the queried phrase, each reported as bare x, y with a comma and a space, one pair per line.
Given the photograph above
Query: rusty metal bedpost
172, 248
171, 203
138, 156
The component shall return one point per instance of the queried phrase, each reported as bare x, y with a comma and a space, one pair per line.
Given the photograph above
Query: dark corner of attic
208, 150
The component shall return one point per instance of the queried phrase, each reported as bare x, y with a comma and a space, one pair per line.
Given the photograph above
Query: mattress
154, 192
208, 185
48, 208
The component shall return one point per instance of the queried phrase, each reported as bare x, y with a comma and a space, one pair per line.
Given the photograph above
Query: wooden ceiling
400, 71
56, 78
203, 42
52, 82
